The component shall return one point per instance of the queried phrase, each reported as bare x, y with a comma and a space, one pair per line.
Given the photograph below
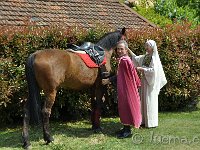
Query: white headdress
160, 79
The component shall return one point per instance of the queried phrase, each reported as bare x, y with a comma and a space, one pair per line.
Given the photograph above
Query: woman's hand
105, 81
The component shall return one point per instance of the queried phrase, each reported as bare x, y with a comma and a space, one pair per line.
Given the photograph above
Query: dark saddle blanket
95, 52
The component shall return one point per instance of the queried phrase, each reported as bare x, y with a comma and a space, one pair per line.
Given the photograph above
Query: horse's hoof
26, 146
49, 140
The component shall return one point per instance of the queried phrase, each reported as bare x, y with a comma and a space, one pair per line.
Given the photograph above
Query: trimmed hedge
178, 47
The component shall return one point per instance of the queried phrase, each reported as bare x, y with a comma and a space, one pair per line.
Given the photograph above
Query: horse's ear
123, 31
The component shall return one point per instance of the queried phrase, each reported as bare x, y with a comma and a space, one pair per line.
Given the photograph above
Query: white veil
160, 79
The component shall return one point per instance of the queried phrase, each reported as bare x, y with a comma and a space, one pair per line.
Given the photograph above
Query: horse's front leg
96, 104
46, 112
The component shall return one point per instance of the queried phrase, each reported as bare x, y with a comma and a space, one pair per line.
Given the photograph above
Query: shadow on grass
11, 138
84, 131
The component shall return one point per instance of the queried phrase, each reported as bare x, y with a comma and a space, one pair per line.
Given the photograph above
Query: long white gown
153, 79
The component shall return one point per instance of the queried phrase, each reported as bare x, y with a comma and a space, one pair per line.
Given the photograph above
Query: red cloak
128, 95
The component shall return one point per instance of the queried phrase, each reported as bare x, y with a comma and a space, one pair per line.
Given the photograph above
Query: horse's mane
109, 40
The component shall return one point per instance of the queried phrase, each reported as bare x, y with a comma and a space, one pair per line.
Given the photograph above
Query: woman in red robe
127, 89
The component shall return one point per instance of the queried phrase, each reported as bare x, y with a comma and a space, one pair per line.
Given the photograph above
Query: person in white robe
152, 80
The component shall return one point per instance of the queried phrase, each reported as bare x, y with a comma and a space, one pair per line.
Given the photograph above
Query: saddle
95, 52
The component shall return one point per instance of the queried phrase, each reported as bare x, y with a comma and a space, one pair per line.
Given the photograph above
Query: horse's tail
34, 97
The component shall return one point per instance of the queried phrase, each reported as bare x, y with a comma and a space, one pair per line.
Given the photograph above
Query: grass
176, 131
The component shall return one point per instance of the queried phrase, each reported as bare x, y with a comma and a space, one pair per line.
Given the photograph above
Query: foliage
178, 10
16, 44
152, 16
178, 47
164, 12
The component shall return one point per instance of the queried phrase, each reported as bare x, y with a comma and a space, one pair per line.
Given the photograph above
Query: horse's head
109, 43
110, 40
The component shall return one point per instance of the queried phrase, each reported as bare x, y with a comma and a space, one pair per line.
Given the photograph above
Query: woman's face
121, 50
148, 48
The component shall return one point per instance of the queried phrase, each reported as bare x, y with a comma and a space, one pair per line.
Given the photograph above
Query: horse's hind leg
46, 112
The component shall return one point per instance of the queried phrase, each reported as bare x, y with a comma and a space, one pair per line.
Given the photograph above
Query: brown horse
50, 69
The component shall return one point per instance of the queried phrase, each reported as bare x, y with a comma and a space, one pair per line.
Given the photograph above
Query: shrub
178, 48
152, 16
177, 44
16, 44
179, 10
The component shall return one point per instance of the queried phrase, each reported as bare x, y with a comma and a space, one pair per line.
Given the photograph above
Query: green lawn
176, 131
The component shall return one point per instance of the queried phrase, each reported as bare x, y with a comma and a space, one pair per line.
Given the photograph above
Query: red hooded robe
128, 95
